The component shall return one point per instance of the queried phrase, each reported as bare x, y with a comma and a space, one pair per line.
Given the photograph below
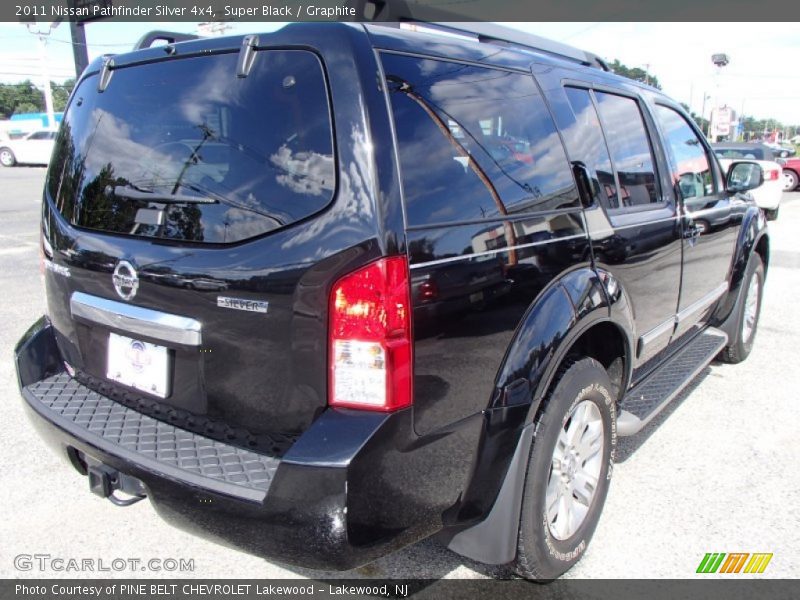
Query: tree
635, 73
20, 97
61, 92
24, 97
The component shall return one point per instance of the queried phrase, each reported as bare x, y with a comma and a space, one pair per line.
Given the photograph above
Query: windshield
184, 150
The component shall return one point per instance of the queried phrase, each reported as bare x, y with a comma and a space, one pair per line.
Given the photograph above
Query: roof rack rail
171, 37
488, 33
392, 14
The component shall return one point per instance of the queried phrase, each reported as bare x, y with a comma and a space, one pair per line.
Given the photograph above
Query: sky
762, 78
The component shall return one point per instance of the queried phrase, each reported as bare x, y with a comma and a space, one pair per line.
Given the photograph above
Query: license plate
476, 297
138, 364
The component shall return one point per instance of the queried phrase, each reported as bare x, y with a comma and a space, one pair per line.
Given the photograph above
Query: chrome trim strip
615, 228
442, 261
697, 306
702, 303
655, 333
136, 319
691, 214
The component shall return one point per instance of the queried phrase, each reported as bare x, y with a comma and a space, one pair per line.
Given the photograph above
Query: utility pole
720, 60
80, 52
45, 72
705, 130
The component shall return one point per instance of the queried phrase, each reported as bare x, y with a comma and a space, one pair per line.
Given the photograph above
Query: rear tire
748, 313
7, 158
569, 471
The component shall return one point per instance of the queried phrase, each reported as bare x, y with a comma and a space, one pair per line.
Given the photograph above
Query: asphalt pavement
716, 472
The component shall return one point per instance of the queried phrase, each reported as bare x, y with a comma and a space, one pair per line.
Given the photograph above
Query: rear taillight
772, 175
370, 337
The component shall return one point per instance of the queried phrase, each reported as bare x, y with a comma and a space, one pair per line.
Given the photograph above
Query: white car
768, 194
34, 149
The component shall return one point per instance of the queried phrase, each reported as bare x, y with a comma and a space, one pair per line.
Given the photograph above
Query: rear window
745, 153
185, 150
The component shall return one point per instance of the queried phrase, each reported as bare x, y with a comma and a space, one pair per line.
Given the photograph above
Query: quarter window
474, 143
630, 149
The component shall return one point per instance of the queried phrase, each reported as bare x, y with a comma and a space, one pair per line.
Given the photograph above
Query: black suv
325, 292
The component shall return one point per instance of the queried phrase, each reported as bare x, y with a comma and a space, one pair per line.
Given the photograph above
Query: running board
643, 402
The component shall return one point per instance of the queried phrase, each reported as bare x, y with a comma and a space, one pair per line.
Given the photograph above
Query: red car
791, 173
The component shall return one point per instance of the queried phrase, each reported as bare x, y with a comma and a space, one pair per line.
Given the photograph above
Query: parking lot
716, 472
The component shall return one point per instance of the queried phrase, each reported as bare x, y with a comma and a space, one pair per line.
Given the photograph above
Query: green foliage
61, 92
755, 128
25, 97
635, 73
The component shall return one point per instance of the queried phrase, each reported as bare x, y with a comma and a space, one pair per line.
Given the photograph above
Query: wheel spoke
564, 516
553, 498
577, 515
592, 441
577, 424
584, 488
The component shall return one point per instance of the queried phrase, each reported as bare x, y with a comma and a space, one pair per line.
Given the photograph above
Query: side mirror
743, 176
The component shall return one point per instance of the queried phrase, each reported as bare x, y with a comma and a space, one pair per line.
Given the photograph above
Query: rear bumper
331, 502
768, 196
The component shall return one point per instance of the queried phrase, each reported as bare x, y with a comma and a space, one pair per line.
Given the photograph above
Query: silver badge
125, 279
260, 306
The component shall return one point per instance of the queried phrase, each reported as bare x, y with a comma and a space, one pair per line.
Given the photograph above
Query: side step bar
643, 402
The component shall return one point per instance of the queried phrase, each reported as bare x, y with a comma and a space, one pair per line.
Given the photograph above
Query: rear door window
474, 143
184, 150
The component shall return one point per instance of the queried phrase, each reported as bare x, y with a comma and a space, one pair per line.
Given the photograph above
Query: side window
474, 143
584, 139
693, 176
630, 149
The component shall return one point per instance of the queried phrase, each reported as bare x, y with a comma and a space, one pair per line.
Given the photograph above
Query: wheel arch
753, 238
596, 327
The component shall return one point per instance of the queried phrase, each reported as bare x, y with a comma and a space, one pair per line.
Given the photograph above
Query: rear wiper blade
133, 193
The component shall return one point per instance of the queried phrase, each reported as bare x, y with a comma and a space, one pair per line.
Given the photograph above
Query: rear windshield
184, 150
745, 152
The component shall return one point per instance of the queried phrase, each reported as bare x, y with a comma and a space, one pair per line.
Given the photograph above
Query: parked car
33, 149
767, 195
294, 409
791, 173
781, 150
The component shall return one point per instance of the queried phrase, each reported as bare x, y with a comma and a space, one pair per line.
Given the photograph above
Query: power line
71, 43
87, 44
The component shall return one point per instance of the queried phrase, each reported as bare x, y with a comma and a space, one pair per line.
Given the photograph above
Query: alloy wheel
575, 469
750, 309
